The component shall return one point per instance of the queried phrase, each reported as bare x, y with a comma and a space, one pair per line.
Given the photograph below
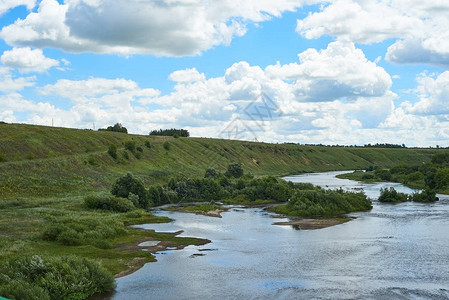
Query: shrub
70, 237
235, 170
426, 195
391, 195
130, 145
91, 160
211, 173
112, 151
148, 144
139, 148
166, 146
70, 277
125, 154
2, 157
176, 136
128, 184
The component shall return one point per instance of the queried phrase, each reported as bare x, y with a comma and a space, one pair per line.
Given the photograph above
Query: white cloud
27, 60
186, 76
10, 84
433, 96
339, 71
172, 28
421, 26
6, 5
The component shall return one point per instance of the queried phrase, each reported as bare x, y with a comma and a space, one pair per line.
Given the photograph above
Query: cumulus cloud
171, 28
422, 27
27, 60
186, 76
433, 95
339, 71
6, 5
11, 84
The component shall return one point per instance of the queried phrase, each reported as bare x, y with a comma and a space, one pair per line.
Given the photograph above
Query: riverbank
313, 224
205, 209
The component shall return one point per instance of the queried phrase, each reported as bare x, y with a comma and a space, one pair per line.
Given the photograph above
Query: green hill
41, 162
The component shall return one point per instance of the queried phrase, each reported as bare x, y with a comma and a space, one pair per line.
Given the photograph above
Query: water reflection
393, 251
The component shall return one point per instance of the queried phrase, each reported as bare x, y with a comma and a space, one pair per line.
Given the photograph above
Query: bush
166, 146
383, 174
235, 170
112, 151
70, 277
391, 195
2, 157
109, 203
211, 173
72, 231
148, 144
126, 154
176, 136
128, 184
130, 145
139, 148
426, 195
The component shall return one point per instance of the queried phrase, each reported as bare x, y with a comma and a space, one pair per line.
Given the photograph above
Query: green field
46, 172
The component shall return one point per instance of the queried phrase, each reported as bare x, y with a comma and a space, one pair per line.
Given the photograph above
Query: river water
395, 251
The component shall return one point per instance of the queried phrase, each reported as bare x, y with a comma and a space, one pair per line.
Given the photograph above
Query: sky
341, 72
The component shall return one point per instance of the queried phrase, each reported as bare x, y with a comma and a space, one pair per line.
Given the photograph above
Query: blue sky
305, 71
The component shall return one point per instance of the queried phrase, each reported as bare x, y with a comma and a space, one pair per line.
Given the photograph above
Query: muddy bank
311, 224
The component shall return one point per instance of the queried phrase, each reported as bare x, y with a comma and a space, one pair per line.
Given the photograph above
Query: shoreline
313, 224
138, 262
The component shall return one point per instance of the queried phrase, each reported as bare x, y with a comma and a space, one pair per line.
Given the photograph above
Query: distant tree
171, 132
116, 128
211, 173
235, 170
128, 184
442, 178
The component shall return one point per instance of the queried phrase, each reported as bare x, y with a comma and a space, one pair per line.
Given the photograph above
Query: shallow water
394, 251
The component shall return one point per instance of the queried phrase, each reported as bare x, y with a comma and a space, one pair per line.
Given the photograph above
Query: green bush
89, 230
36, 277
391, 195
148, 144
108, 203
427, 195
128, 184
130, 145
235, 170
211, 173
2, 157
112, 151
139, 148
166, 146
126, 154
70, 237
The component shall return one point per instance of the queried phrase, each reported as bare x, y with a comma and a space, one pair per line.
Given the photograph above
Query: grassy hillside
41, 162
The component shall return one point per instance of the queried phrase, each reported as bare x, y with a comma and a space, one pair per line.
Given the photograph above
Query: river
394, 251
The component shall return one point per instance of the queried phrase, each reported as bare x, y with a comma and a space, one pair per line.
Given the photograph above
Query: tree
116, 128
442, 178
128, 184
235, 170
210, 173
